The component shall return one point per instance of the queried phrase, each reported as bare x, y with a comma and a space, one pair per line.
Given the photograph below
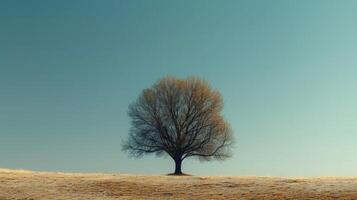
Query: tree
180, 118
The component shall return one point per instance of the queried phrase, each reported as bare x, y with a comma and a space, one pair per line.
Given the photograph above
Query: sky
286, 70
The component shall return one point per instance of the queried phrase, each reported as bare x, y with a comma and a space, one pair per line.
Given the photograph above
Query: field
20, 184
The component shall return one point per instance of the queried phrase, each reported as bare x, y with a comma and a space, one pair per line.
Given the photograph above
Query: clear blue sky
286, 69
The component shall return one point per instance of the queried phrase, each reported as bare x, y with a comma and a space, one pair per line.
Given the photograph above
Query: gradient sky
286, 69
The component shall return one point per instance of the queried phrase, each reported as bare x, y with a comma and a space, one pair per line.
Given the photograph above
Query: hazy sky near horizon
286, 69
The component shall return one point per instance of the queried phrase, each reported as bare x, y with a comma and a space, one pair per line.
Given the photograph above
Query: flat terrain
18, 184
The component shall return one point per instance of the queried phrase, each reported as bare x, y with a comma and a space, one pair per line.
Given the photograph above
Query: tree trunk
178, 163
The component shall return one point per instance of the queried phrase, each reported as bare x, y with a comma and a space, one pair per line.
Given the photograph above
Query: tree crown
181, 118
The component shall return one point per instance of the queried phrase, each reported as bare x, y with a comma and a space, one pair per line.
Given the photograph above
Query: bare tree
181, 118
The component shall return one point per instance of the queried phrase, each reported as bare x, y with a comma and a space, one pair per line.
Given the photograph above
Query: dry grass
15, 184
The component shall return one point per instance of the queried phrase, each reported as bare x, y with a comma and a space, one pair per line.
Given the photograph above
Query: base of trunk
182, 174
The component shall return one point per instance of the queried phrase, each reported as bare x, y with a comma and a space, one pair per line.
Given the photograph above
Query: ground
20, 184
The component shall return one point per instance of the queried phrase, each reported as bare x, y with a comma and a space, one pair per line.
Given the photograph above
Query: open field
19, 184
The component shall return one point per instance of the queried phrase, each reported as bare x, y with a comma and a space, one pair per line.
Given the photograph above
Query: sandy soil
20, 184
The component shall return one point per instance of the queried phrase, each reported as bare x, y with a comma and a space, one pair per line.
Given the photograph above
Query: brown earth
20, 184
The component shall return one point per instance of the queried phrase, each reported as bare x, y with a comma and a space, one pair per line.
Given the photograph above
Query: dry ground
17, 184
